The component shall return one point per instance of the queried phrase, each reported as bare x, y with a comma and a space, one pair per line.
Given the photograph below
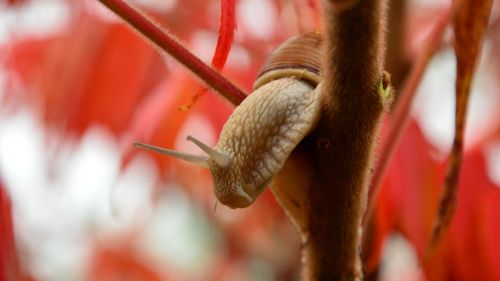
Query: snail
265, 128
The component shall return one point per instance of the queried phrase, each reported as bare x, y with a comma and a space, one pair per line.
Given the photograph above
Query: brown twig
343, 142
166, 42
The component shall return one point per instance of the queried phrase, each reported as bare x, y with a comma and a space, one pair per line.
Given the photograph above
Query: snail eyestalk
198, 160
222, 160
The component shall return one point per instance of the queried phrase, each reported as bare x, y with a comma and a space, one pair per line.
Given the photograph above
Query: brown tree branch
397, 63
161, 38
343, 142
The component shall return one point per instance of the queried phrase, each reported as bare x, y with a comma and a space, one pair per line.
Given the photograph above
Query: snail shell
299, 56
265, 128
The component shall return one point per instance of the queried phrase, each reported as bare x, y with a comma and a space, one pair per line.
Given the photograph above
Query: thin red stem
167, 43
402, 111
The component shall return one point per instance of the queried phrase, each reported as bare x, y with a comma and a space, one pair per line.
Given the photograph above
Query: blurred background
77, 87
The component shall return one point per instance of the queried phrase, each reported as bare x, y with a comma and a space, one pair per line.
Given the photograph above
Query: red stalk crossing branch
162, 39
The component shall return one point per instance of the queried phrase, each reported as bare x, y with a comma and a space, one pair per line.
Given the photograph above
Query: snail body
260, 135
265, 128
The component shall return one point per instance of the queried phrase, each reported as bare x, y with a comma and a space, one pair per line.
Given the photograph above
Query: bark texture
341, 147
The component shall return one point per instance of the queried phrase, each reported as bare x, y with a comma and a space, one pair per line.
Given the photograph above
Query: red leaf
406, 197
123, 68
408, 202
9, 263
157, 120
471, 250
15, 2
94, 75
470, 23
121, 263
226, 33
10, 267
309, 15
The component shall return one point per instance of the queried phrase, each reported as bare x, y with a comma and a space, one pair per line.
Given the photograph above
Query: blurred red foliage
85, 77
408, 203
97, 72
10, 266
110, 264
